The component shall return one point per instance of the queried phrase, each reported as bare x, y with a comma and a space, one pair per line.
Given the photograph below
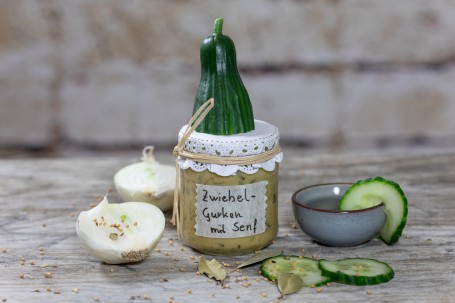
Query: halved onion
120, 233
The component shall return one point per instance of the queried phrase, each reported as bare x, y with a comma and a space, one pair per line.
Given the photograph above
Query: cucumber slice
307, 269
370, 192
356, 271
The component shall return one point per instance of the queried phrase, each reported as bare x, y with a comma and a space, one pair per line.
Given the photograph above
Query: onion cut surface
120, 233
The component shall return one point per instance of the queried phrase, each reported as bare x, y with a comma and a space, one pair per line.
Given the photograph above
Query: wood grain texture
41, 199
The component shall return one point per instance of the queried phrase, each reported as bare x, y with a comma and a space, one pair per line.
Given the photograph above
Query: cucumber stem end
218, 26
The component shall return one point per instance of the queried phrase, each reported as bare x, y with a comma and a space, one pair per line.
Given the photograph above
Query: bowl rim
297, 203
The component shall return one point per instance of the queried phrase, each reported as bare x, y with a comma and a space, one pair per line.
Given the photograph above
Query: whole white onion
147, 181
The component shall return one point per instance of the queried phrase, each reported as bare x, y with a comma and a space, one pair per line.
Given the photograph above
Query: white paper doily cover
263, 138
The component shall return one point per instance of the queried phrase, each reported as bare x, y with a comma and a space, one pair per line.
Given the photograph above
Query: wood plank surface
41, 199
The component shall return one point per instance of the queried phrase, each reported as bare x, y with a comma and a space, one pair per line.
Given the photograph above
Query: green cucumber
232, 112
307, 269
356, 271
371, 192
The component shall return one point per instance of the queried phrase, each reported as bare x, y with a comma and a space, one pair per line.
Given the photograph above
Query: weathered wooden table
41, 199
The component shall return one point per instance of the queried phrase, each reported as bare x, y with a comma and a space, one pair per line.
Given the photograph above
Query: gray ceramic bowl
316, 209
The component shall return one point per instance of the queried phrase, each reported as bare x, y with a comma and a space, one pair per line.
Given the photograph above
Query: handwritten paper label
230, 211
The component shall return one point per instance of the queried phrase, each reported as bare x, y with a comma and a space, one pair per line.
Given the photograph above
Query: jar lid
263, 138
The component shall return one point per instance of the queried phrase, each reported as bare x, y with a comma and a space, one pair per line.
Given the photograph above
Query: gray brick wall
125, 72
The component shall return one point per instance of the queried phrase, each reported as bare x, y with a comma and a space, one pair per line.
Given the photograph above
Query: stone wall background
329, 73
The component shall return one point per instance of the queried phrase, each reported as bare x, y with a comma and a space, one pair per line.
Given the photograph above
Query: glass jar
230, 209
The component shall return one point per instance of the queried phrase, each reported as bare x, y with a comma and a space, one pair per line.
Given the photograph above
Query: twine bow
194, 122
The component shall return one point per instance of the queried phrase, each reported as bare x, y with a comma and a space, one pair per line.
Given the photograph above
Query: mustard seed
47, 275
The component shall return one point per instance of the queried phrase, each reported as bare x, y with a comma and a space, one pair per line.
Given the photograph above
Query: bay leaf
289, 283
213, 269
259, 257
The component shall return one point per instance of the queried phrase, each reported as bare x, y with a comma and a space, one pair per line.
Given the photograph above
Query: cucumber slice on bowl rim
373, 191
307, 269
357, 271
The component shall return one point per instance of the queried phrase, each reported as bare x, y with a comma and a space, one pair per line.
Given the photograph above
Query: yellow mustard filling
227, 246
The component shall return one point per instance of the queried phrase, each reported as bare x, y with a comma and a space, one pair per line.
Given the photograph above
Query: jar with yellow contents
230, 209
227, 193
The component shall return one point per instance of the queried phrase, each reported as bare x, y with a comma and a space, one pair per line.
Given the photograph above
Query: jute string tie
179, 152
